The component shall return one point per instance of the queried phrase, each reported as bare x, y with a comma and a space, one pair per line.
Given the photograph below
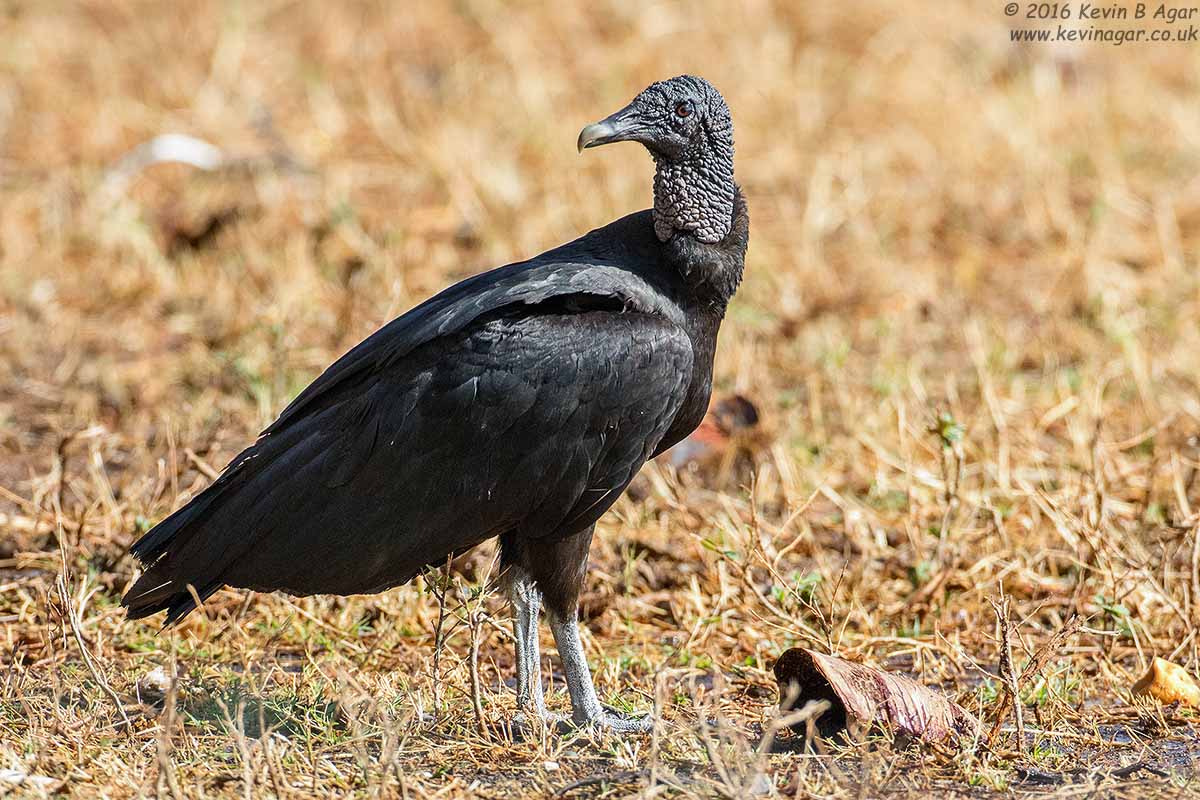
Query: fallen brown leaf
1168, 683
726, 418
866, 696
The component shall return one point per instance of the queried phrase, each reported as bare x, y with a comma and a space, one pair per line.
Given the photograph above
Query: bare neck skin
694, 193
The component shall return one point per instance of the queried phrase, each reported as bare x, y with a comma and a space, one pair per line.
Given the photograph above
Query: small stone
154, 685
18, 777
760, 785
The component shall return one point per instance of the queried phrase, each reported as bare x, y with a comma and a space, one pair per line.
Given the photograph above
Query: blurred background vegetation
969, 325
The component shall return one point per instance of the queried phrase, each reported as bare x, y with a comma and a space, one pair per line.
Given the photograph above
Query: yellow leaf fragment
1168, 683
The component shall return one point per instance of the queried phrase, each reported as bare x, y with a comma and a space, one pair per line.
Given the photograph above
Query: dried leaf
726, 418
1168, 683
865, 696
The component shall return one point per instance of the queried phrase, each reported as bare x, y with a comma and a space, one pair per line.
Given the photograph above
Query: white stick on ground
174, 148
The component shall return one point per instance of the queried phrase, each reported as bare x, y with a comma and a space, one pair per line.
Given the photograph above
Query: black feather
518, 403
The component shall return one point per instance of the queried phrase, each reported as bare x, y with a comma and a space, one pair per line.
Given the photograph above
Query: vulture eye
683, 109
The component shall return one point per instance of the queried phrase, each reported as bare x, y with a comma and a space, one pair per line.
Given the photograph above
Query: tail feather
159, 588
154, 544
177, 601
188, 554
150, 547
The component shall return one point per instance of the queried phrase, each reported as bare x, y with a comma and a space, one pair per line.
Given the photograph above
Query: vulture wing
522, 400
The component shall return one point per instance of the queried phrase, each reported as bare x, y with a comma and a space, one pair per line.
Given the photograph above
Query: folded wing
532, 417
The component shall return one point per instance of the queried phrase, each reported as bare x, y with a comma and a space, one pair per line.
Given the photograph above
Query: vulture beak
619, 127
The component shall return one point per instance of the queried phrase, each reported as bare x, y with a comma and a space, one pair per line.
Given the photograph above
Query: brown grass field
970, 323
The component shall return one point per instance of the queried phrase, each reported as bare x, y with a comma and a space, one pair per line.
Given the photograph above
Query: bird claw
608, 720
611, 720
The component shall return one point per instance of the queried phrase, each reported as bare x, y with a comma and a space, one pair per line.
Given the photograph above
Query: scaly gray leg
527, 603
586, 708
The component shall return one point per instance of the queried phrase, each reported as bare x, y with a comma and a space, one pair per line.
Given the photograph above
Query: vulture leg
586, 708
557, 568
526, 601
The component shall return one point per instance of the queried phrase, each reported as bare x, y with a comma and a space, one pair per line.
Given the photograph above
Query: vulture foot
614, 721
608, 720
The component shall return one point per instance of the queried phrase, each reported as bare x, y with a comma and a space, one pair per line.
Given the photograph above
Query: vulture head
686, 125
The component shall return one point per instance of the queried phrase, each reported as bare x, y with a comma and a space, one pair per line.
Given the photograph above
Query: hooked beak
622, 126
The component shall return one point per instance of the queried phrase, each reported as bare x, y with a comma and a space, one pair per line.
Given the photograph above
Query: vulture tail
178, 604
187, 555
159, 587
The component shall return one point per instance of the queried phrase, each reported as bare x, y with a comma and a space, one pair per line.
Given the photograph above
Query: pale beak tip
595, 134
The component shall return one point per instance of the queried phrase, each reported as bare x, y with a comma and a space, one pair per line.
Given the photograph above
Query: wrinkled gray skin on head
693, 186
688, 129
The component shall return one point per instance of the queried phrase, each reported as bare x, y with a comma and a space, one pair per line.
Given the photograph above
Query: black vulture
516, 404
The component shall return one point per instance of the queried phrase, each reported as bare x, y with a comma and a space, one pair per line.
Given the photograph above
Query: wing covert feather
532, 424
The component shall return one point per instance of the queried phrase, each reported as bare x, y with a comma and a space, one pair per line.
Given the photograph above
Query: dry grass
948, 233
